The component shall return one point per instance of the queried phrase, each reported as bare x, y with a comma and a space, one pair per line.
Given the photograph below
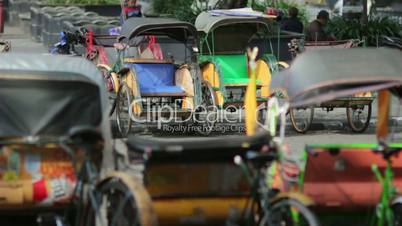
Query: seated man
316, 32
292, 23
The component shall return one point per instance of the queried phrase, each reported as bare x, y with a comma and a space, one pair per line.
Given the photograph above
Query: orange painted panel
346, 179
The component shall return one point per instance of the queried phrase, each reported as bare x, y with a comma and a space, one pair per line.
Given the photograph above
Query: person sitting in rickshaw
292, 23
131, 9
316, 29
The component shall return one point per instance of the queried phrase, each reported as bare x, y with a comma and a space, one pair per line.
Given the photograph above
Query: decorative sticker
3, 163
58, 188
32, 164
13, 170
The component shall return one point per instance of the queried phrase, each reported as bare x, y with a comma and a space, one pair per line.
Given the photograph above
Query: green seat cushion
233, 68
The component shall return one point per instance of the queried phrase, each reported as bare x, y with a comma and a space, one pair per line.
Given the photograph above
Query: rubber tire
293, 121
304, 210
129, 98
354, 128
206, 89
136, 193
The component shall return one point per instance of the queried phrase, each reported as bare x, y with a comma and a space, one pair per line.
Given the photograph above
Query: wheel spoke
359, 117
120, 208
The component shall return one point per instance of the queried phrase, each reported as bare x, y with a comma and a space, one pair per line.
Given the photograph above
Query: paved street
21, 40
327, 126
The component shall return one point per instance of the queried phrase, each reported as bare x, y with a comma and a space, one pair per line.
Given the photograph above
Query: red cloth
39, 190
103, 59
155, 48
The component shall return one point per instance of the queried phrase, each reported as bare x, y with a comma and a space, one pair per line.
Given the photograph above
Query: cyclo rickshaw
358, 107
56, 155
157, 74
97, 48
355, 178
223, 61
5, 46
217, 181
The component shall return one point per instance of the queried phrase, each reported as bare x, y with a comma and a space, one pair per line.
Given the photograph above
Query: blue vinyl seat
157, 79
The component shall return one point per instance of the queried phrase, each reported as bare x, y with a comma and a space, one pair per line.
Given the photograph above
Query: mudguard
300, 197
283, 64
397, 200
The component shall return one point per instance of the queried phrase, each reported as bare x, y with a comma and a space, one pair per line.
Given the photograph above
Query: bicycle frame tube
258, 192
384, 214
262, 193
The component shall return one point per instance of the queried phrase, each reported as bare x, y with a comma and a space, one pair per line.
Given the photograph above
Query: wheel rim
301, 118
359, 117
122, 107
208, 112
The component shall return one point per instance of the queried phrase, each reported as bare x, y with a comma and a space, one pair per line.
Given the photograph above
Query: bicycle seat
198, 149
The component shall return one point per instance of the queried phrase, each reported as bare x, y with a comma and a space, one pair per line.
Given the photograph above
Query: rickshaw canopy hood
46, 95
153, 26
206, 22
318, 76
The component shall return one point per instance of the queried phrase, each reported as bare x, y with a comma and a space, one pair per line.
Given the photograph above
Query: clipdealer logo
170, 118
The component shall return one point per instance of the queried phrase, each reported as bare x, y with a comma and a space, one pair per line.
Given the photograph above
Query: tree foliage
185, 10
371, 31
283, 6
188, 10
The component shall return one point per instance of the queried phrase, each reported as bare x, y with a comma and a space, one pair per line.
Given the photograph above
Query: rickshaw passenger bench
157, 79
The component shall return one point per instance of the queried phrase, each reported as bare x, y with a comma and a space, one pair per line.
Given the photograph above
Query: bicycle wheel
289, 212
120, 203
397, 212
207, 112
123, 103
359, 117
301, 118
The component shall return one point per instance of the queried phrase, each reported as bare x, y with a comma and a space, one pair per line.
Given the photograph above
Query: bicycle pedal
50, 219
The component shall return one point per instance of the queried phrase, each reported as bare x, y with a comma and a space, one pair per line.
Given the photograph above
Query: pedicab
223, 61
157, 74
97, 48
360, 177
217, 181
5, 46
56, 156
358, 107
